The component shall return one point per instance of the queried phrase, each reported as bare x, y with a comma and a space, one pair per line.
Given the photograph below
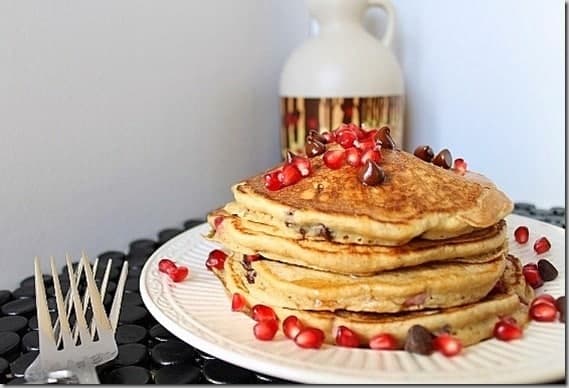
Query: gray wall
121, 117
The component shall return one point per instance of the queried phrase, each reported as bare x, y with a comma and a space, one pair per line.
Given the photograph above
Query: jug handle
387, 6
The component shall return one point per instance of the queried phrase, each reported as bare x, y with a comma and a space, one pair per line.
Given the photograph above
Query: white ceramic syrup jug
342, 75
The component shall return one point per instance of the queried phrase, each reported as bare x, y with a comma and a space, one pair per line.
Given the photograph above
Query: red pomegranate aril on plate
531, 274
179, 274
272, 181
543, 312
460, 166
310, 338
541, 245
366, 144
383, 341
266, 330
334, 159
521, 234
346, 138
215, 259
289, 175
303, 165
292, 326
543, 298
263, 313
346, 337
353, 157
238, 302
372, 154
166, 266
447, 345
217, 221
506, 330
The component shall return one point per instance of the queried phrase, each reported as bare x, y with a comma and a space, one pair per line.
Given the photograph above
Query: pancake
470, 323
479, 246
428, 286
417, 199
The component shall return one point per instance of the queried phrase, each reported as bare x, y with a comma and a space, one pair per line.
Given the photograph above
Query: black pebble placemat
148, 353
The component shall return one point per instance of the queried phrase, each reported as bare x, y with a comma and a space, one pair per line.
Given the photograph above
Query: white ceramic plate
198, 311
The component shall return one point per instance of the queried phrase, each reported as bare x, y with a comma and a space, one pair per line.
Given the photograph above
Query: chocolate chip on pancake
547, 271
419, 340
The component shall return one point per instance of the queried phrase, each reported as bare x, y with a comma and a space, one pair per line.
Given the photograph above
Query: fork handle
81, 373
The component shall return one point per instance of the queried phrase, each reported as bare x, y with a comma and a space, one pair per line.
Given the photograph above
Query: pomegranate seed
310, 338
263, 313
166, 266
531, 274
447, 345
179, 274
374, 155
328, 137
217, 221
289, 175
353, 157
366, 144
543, 298
543, 312
383, 341
251, 258
334, 159
346, 337
541, 245
460, 165
506, 330
370, 134
303, 165
216, 259
238, 302
266, 330
346, 138
521, 234
272, 181
292, 326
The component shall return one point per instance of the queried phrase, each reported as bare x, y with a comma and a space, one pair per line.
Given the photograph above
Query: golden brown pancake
417, 199
428, 286
251, 238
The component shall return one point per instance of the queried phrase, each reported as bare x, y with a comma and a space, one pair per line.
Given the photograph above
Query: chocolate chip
315, 135
250, 276
443, 159
323, 231
314, 148
560, 303
383, 136
546, 270
419, 340
371, 174
424, 152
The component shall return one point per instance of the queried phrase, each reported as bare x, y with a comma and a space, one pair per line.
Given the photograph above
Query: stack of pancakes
428, 247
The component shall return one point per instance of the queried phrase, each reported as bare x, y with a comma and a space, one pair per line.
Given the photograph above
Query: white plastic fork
74, 362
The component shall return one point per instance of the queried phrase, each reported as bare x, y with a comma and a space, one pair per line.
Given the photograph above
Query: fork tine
103, 291
117, 300
79, 313
65, 331
46, 339
101, 320
86, 295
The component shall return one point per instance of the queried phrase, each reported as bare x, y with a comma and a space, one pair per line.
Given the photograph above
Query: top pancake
416, 199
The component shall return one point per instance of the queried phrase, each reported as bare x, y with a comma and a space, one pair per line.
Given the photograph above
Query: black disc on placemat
19, 366
524, 206
17, 381
158, 334
264, 379
192, 222
30, 342
132, 314
171, 353
201, 356
221, 372
128, 375
5, 296
138, 260
129, 334
113, 273
117, 258
4, 370
14, 323
33, 322
25, 307
24, 292
132, 298
30, 281
132, 285
167, 234
111, 286
131, 354
178, 374
143, 243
